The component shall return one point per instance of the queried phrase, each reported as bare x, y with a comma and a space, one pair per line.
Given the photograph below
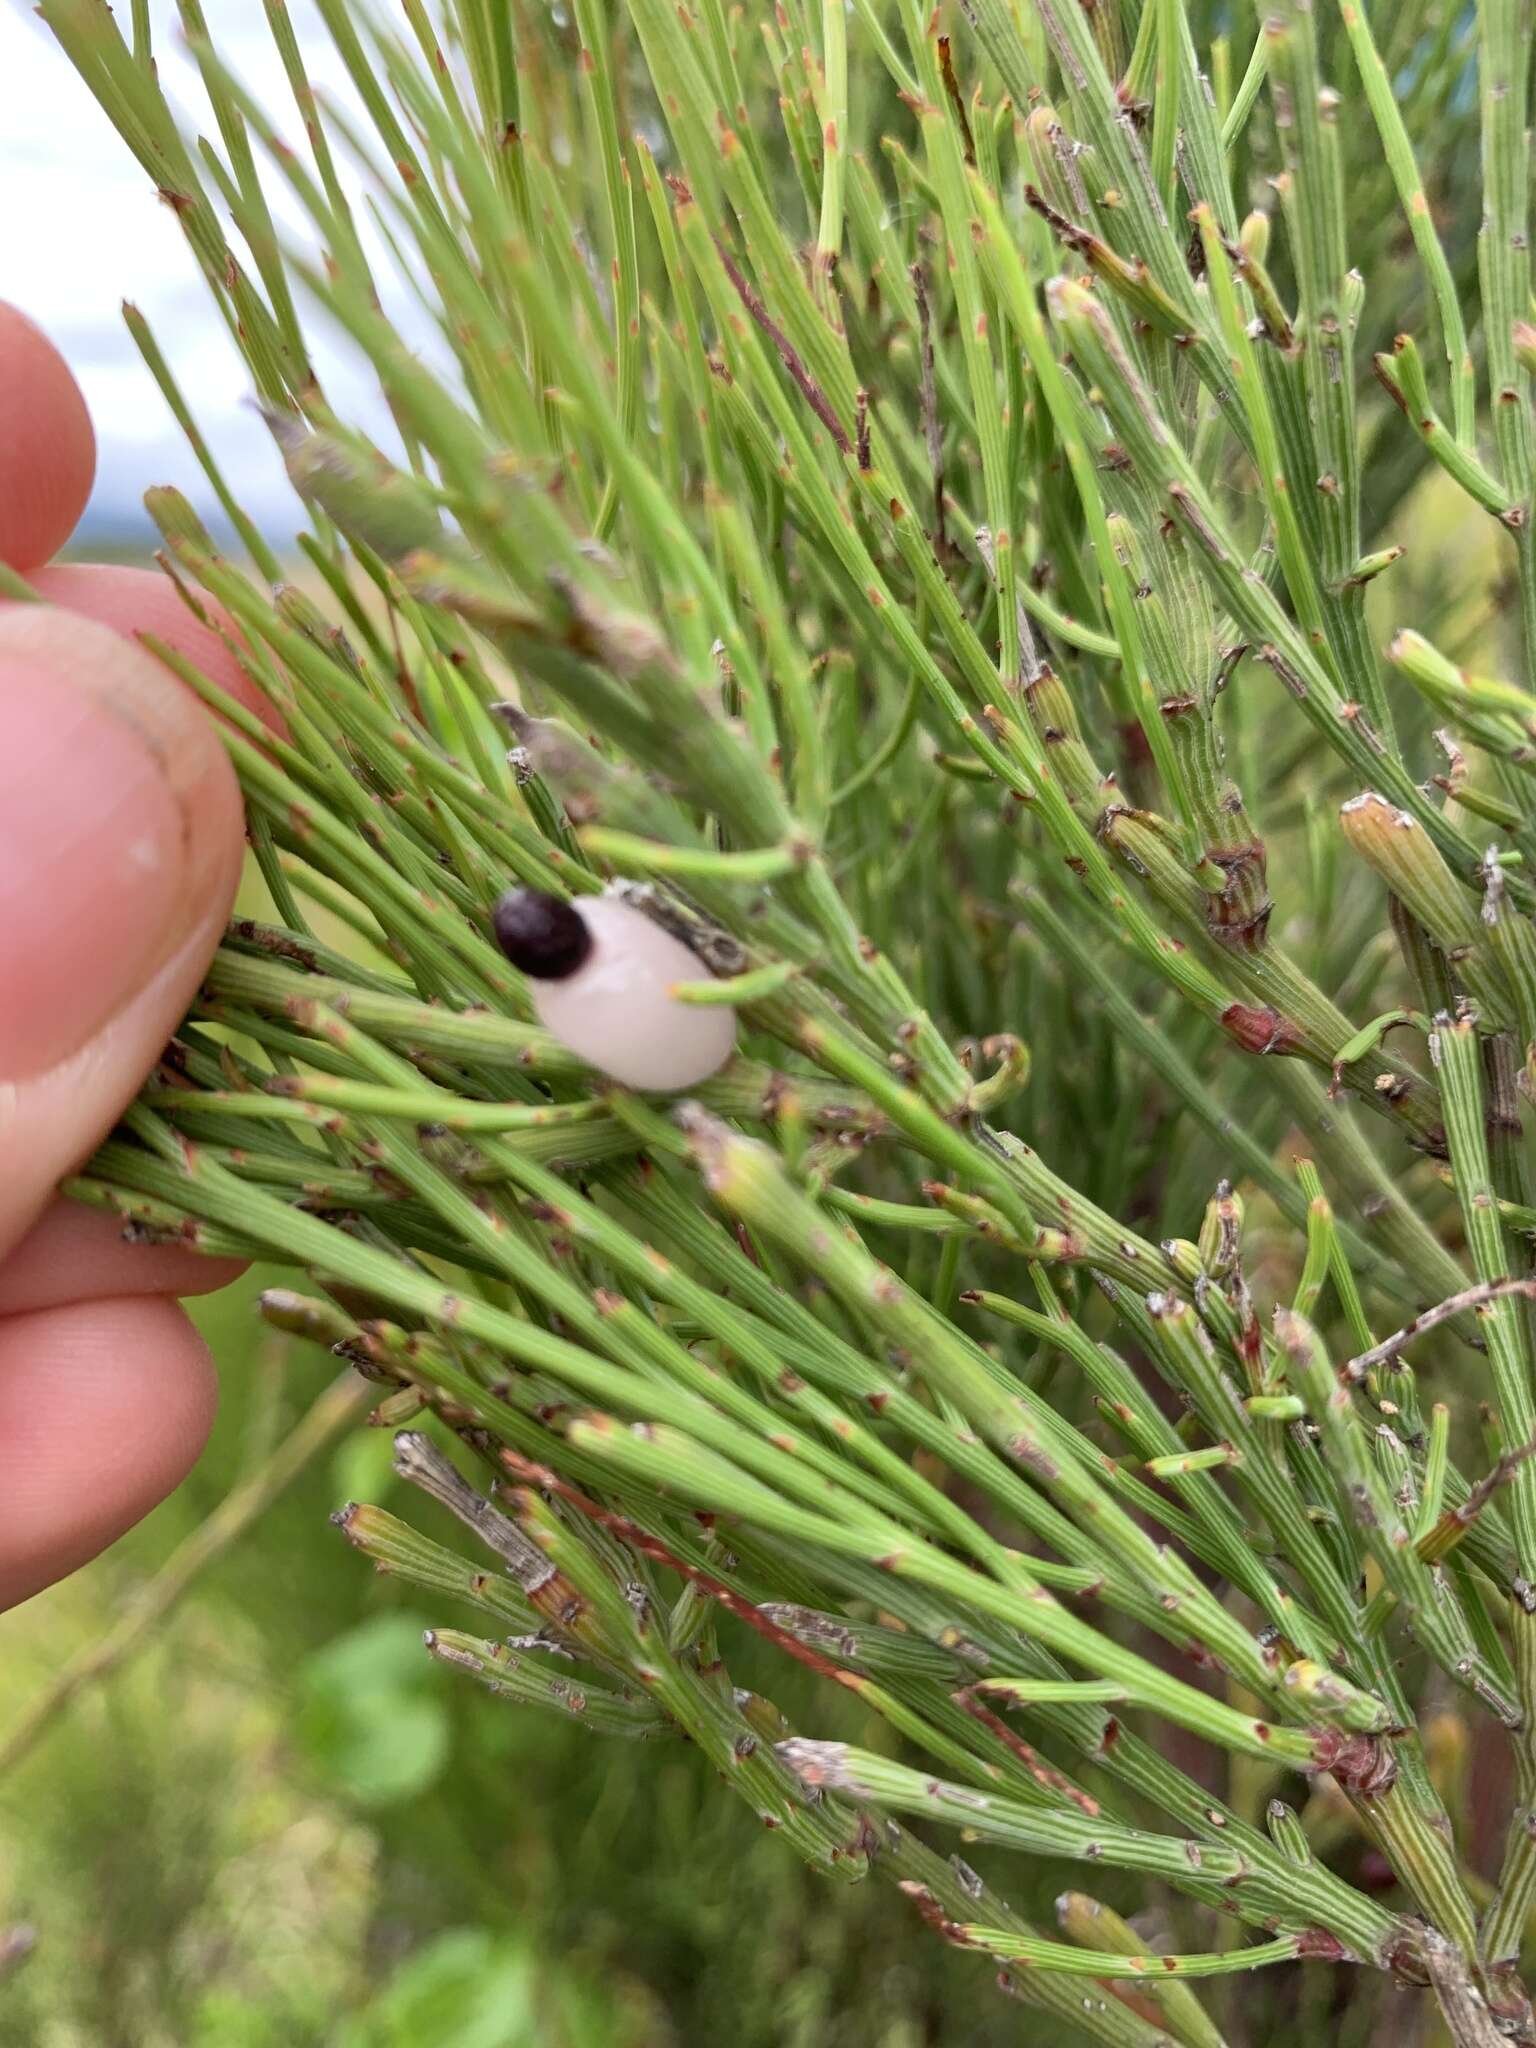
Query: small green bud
1335, 1700
1287, 1833
303, 1315
398, 1408
1049, 146
1403, 854
1185, 1259
357, 486
1092, 1924
1253, 237
1221, 1231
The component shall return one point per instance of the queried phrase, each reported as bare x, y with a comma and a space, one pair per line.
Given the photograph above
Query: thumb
120, 850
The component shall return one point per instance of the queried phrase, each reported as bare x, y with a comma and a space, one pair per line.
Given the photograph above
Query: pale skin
121, 839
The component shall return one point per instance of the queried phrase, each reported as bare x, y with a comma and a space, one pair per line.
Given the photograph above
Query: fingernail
111, 786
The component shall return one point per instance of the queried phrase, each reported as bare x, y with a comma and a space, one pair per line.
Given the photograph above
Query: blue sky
83, 231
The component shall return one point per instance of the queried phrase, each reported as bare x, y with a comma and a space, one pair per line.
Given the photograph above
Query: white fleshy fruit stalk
617, 1009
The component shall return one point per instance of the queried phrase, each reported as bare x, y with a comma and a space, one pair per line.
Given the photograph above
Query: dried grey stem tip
721, 952
446, 1652
419, 1460
1029, 654
1463, 2005
822, 1764
808, 1625
286, 428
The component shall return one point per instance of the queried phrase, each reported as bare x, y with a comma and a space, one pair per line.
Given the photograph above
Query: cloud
85, 230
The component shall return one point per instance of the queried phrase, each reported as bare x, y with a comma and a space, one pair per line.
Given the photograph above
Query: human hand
120, 850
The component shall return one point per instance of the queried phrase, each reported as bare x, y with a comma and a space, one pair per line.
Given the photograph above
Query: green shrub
917, 489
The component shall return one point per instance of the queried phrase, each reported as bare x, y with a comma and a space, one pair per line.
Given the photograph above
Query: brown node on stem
1361, 1765
1237, 916
1261, 1030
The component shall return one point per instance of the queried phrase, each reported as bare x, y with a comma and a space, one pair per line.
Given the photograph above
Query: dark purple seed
543, 935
